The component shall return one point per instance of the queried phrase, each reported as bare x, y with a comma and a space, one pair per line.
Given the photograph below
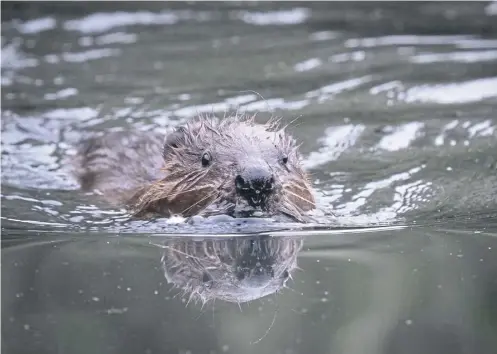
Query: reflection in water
240, 269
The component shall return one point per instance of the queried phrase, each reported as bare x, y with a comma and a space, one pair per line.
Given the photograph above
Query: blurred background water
397, 115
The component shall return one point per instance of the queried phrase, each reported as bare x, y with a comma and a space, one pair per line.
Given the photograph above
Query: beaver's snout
255, 184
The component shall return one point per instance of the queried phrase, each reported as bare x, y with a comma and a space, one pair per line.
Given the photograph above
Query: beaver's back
118, 163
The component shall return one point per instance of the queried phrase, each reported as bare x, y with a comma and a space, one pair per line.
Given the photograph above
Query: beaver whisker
298, 196
215, 131
274, 124
292, 185
291, 122
287, 207
185, 180
260, 96
196, 177
236, 112
186, 191
199, 201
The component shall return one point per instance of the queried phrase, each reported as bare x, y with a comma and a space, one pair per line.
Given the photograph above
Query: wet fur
149, 174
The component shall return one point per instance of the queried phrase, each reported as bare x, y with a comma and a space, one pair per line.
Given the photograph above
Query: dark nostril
240, 182
270, 183
206, 277
264, 185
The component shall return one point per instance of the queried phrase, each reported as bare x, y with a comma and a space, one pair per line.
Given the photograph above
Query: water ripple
371, 108
326, 91
454, 93
111, 38
36, 26
282, 17
401, 137
406, 40
461, 57
101, 22
336, 141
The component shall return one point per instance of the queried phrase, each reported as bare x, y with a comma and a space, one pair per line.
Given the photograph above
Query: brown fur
149, 175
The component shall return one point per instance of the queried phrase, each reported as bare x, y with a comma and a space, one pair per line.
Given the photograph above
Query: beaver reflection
239, 269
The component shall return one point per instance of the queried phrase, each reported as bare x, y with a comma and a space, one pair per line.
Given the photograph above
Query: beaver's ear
172, 141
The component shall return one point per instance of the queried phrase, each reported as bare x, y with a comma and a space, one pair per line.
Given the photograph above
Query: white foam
61, 94
307, 64
37, 25
237, 100
405, 40
282, 17
387, 86
335, 142
83, 113
359, 199
357, 55
401, 137
462, 57
276, 103
338, 87
13, 58
111, 38
463, 92
101, 22
440, 139
79, 57
484, 128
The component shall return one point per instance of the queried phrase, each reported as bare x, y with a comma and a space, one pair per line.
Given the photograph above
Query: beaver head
230, 166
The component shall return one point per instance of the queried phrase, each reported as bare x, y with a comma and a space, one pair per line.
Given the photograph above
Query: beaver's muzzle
255, 185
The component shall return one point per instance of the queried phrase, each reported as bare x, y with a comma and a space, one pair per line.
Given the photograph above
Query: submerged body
232, 166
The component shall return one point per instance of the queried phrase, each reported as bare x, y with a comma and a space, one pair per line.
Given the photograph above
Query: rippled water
396, 109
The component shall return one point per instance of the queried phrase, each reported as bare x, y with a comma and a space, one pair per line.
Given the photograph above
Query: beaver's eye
206, 277
284, 160
206, 159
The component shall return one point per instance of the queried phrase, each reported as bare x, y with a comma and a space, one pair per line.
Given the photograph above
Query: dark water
397, 105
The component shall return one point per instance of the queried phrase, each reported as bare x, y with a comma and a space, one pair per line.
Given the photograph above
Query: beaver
207, 166
239, 269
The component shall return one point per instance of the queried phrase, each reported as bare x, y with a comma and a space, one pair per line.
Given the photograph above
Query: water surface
395, 106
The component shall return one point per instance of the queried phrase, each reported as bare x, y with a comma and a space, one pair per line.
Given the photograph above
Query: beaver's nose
255, 185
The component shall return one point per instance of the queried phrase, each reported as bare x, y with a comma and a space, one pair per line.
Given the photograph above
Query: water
396, 111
